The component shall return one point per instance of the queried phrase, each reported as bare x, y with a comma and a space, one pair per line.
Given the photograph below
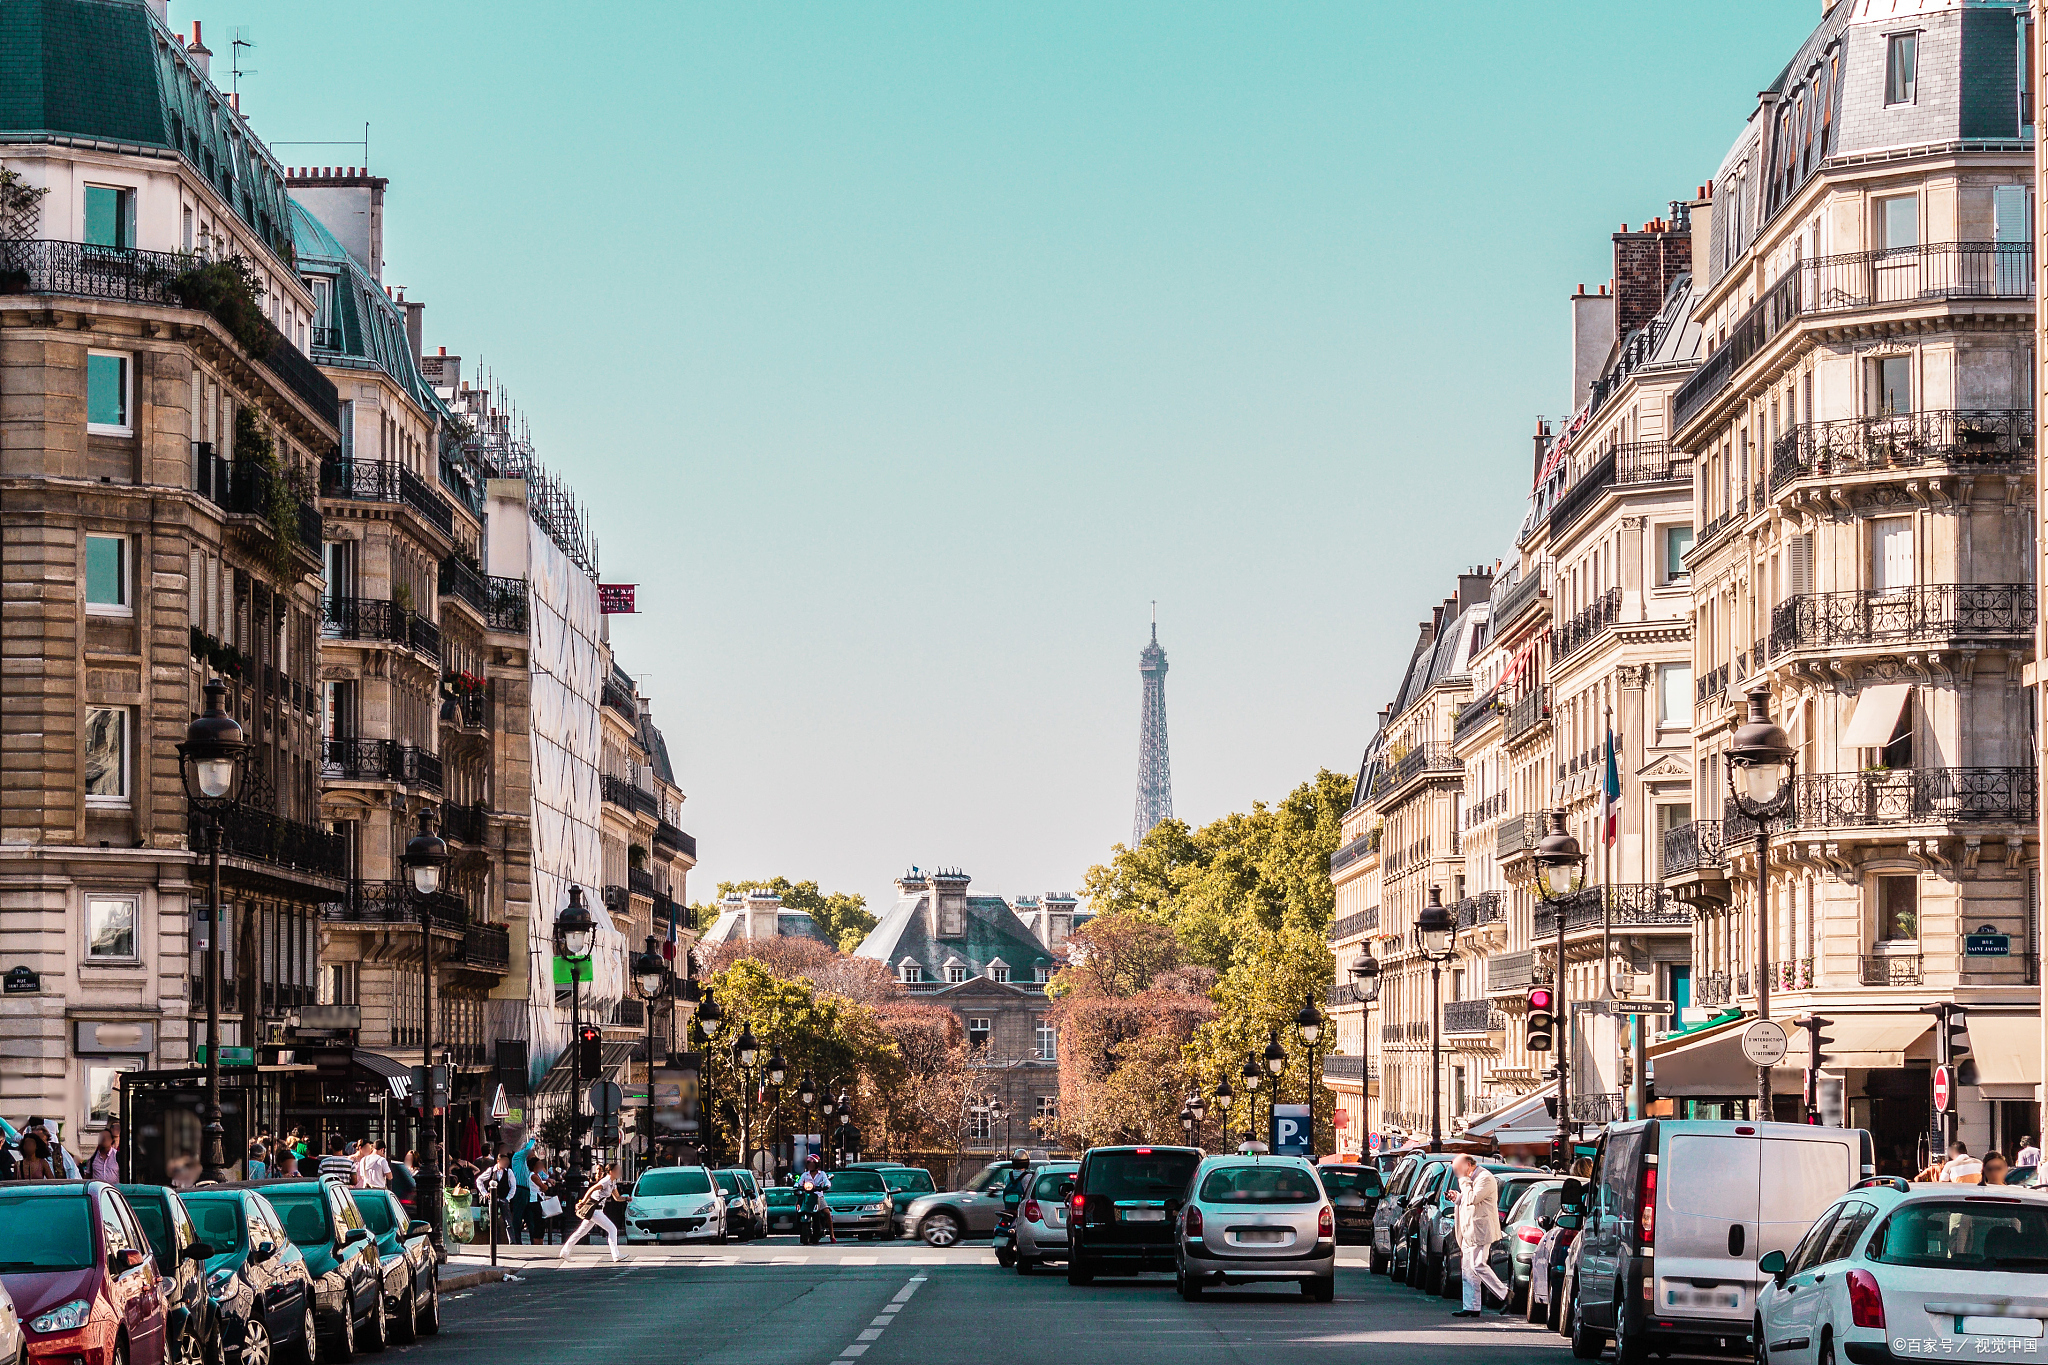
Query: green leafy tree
842, 915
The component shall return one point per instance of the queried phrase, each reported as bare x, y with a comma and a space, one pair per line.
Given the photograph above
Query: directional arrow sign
1644, 1006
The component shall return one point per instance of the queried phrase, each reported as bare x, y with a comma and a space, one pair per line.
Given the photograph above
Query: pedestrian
1995, 1168
1961, 1168
525, 1203
257, 1163
54, 1152
2029, 1154
546, 1186
1478, 1224
494, 1188
373, 1172
590, 1208
105, 1161
286, 1164
336, 1162
35, 1157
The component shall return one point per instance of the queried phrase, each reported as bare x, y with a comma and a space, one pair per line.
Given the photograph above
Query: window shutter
1801, 565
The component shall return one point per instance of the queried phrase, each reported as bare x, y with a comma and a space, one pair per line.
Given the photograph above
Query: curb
450, 1284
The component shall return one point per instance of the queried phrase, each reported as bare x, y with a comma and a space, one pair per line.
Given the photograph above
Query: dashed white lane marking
857, 1260
873, 1331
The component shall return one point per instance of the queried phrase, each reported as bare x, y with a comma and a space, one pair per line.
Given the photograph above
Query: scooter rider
1015, 1183
816, 1181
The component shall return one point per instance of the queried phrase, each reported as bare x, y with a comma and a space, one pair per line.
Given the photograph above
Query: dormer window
1041, 974
999, 970
909, 973
955, 975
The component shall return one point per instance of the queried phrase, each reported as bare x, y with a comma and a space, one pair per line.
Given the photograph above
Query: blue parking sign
1290, 1130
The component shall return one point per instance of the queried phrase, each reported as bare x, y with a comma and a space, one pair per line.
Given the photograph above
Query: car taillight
1326, 1224
1531, 1234
1191, 1228
1646, 1200
1075, 1204
1866, 1303
1032, 1213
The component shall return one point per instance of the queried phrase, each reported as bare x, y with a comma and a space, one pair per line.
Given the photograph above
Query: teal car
858, 1200
412, 1278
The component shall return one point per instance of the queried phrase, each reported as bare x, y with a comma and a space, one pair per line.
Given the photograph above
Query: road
777, 1303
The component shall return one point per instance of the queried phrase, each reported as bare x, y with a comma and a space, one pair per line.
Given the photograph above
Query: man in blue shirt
525, 1203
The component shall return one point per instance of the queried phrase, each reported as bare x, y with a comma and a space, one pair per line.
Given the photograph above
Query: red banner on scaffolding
616, 599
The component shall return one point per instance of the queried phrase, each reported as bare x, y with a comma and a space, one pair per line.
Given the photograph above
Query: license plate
1998, 1327
1717, 1297
1142, 1215
1265, 1236
670, 1236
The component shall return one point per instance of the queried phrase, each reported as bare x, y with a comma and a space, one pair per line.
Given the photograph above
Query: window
980, 1127
110, 928
909, 973
106, 756
1048, 1043
978, 1032
1808, 1253
102, 1102
1898, 222
1677, 542
1891, 554
1951, 1234
1048, 1108
1892, 383
1898, 907
955, 975
998, 972
1674, 696
1848, 1227
342, 983
1041, 974
106, 575
1901, 67
1670, 816
109, 217
106, 393
112, 1229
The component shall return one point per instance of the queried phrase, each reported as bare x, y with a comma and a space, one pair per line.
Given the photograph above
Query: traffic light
1557, 1154
608, 1129
1817, 1042
590, 1050
1955, 1026
1541, 1021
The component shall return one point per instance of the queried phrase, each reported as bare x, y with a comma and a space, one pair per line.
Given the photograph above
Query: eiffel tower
1155, 775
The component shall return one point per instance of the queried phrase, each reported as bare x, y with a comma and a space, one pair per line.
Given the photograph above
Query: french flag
1611, 787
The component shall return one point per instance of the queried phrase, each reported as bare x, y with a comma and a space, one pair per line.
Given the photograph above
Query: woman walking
591, 1209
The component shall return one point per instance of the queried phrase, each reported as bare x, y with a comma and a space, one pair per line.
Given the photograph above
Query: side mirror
263, 1251
199, 1251
127, 1259
419, 1228
1773, 1265
1066, 1189
1546, 1222
354, 1235
1568, 1221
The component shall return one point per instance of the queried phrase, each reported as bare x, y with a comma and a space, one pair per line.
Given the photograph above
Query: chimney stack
201, 54
1645, 264
1593, 338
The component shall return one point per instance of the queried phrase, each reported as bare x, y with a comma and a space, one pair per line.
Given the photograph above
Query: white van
1675, 1218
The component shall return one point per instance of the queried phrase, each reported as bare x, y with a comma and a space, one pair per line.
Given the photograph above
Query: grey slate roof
993, 931
370, 327
788, 924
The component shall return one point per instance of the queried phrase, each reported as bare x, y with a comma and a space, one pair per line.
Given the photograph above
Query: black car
412, 1290
341, 1256
1124, 1208
191, 1328
1355, 1193
256, 1278
1423, 1197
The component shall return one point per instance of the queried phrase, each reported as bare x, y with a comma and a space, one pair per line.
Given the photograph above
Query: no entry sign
1944, 1089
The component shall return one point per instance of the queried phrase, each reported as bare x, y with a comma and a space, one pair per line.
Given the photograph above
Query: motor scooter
813, 1218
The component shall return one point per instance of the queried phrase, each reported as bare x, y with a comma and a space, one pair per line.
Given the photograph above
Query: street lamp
1309, 1024
1560, 871
1253, 1075
425, 858
575, 935
745, 1052
650, 978
807, 1091
1365, 988
210, 762
825, 1126
1187, 1124
1435, 927
1224, 1096
845, 1107
1760, 761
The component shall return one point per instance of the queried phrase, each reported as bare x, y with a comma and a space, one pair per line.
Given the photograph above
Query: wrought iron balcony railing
464, 584
385, 481
505, 608
465, 824
372, 618
1517, 834
1861, 445
640, 882
1906, 796
265, 836
1348, 926
1711, 685
1530, 710
1891, 969
676, 840
1343, 1068
1526, 590
1634, 906
1364, 844
1692, 847
1602, 1106
326, 338
619, 695
1472, 1016
1593, 620
1792, 974
1932, 612
621, 792
395, 902
1485, 809
1474, 714
1433, 758
1475, 912
380, 760
486, 945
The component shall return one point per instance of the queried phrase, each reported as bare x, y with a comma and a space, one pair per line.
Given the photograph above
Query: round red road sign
1944, 1089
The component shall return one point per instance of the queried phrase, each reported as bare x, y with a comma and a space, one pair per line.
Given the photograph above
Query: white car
13, 1348
676, 1204
1894, 1272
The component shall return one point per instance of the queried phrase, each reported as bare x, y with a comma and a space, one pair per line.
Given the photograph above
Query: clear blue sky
905, 354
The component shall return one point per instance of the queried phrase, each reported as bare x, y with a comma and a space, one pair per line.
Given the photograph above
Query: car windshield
218, 1217
1140, 1173
1965, 1234
858, 1182
307, 1220
728, 1181
781, 1196
1343, 1184
377, 1216
44, 1232
673, 1180
909, 1179
1049, 1182
1260, 1185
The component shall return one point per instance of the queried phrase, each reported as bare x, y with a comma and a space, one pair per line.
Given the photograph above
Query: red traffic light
590, 1033
1539, 998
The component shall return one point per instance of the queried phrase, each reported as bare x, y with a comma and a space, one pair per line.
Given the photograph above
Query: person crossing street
591, 1209
1478, 1225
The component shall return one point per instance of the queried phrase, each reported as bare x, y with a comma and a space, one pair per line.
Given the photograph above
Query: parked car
1524, 1225
746, 1212
341, 1257
1440, 1236
1678, 1213
1546, 1264
412, 1290
906, 1183
1962, 1269
1355, 1193
1401, 1188
257, 1278
1252, 1218
1041, 1228
1125, 1209
675, 1204
943, 1218
1423, 1197
856, 1202
76, 1263
13, 1344
780, 1201
193, 1326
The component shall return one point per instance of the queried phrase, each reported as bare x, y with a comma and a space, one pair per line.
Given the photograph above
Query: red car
85, 1284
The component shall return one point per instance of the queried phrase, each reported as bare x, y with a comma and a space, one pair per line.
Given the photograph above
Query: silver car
944, 1218
1041, 1229
1254, 1217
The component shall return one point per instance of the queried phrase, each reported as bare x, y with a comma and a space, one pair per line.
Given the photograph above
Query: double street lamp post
1560, 871
1435, 927
710, 1018
575, 936
1253, 1075
1760, 762
425, 857
652, 978
210, 762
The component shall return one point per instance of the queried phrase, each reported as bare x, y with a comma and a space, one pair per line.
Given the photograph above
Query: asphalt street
777, 1303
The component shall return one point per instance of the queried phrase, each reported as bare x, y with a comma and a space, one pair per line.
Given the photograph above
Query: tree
1117, 955
827, 969
926, 1111
842, 915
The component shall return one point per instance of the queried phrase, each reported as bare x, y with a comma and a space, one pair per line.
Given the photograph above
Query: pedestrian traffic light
590, 1050
1541, 1021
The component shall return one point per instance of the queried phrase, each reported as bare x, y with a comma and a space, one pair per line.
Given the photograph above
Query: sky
905, 355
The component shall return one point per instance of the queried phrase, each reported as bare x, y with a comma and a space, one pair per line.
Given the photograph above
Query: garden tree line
842, 915
1204, 942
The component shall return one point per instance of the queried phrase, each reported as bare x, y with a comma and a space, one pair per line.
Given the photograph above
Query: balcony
1510, 973
467, 711
380, 760
1711, 686
245, 488
374, 619
1591, 622
1344, 1068
465, 824
1890, 969
386, 481
1693, 847
640, 882
619, 695
1351, 926
464, 584
1517, 835
1987, 613
1476, 912
265, 837
1529, 711
1364, 845
618, 900
1473, 716
1634, 463
1472, 1016
379, 903
1525, 591
1433, 759
1713, 988
1602, 1106
1485, 809
628, 1013
1866, 445
621, 792
505, 605
1792, 974
1900, 277
326, 338
487, 946
1629, 908
1912, 796
678, 842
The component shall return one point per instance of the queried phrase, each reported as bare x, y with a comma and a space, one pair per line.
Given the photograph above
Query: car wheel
1078, 1272
1449, 1279
343, 1343
309, 1338
1551, 1314
1587, 1344
1432, 1278
1535, 1311
718, 1239
1322, 1289
430, 1316
939, 1230
1756, 1339
120, 1355
1188, 1287
1376, 1262
255, 1344
379, 1335
1827, 1348
1026, 1265
407, 1328
1006, 1259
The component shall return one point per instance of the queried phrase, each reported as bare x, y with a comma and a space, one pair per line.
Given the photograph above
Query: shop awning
1876, 716
1708, 1062
2008, 1052
1869, 1040
397, 1075
1524, 1112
